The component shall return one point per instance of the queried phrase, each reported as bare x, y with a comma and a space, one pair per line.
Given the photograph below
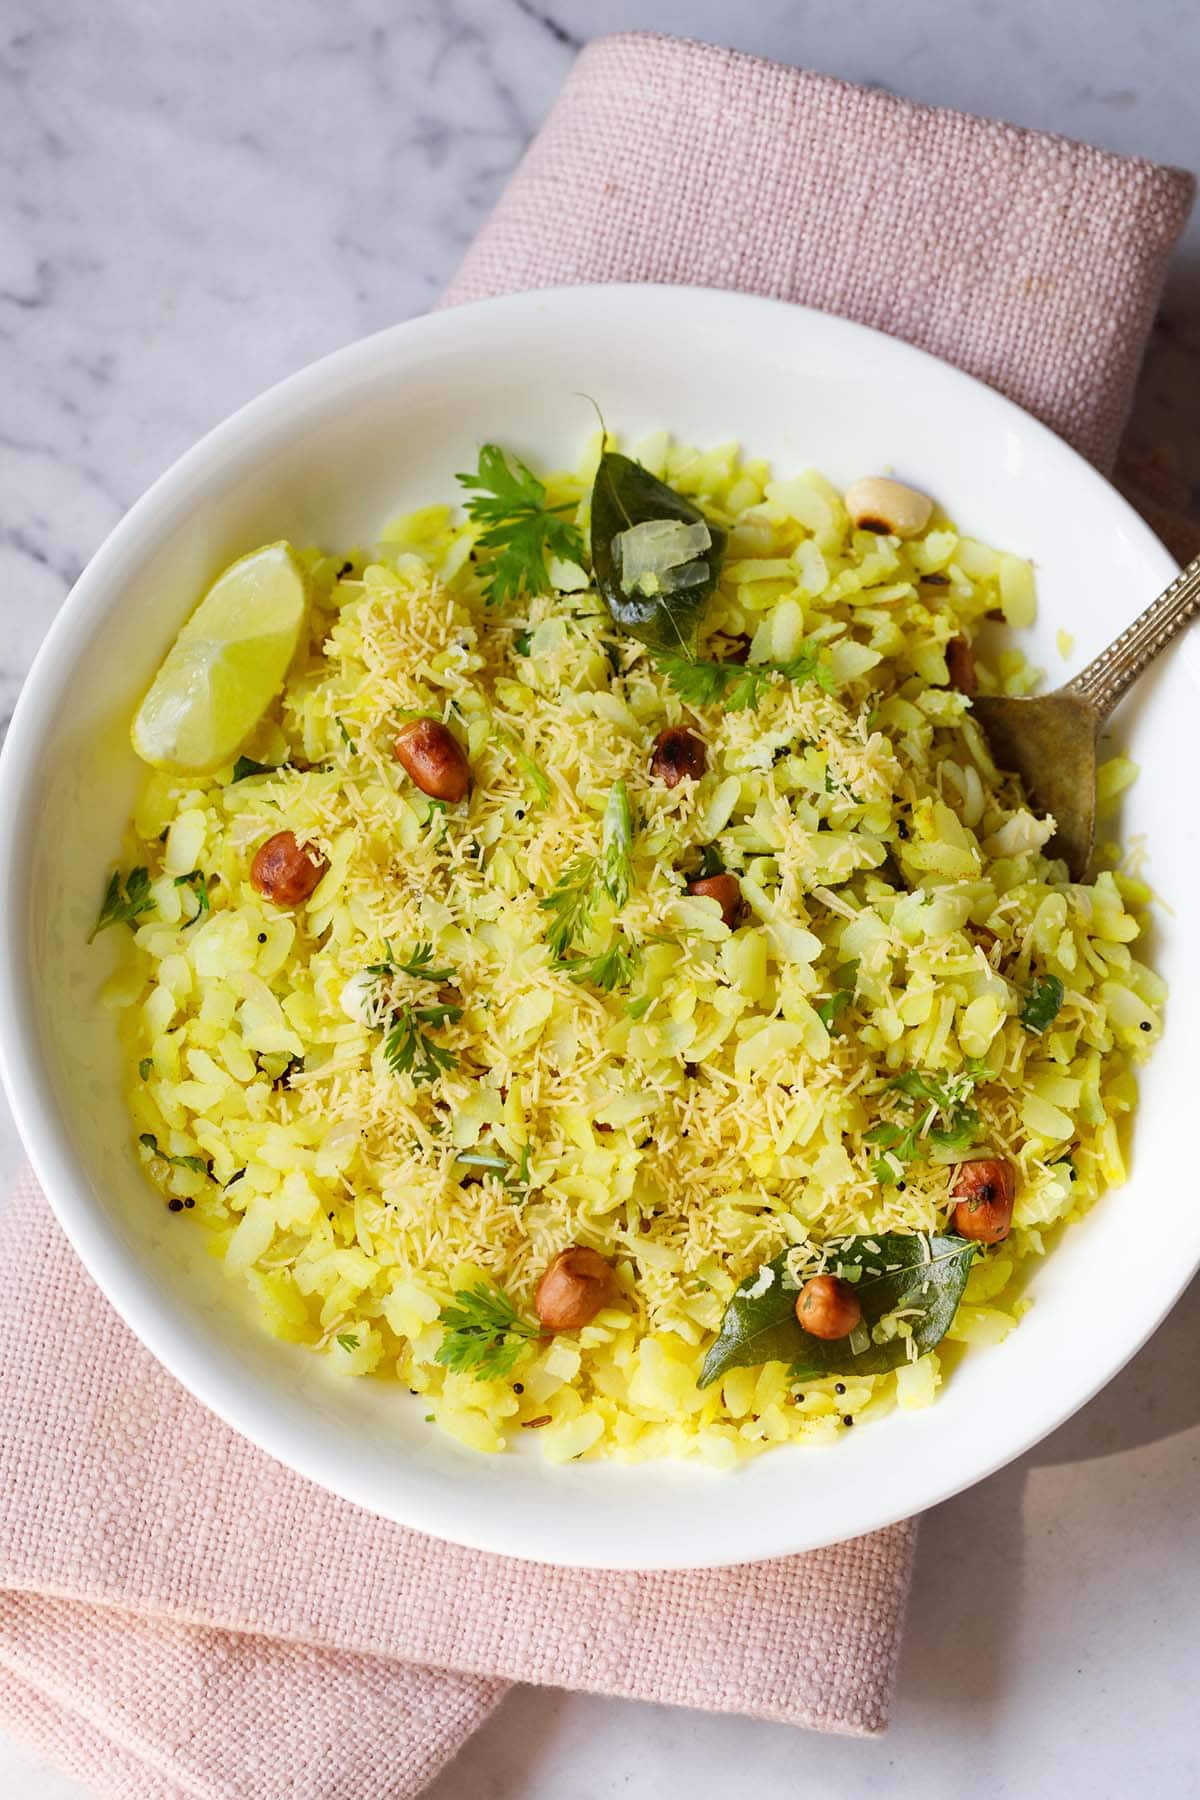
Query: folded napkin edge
1182, 180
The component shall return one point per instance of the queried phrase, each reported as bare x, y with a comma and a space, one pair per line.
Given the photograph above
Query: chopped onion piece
660, 556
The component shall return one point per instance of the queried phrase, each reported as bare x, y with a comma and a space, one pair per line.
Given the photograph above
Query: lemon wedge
226, 666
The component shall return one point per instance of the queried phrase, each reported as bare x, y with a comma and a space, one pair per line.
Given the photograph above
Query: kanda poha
607, 986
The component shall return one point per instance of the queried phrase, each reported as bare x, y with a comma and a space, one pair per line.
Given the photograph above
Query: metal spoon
1050, 740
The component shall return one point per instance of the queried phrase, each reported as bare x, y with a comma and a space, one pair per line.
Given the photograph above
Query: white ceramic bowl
325, 457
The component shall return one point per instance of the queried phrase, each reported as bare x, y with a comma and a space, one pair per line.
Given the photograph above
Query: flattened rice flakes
694, 1121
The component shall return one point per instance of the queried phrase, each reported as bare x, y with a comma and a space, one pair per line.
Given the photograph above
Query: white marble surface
199, 199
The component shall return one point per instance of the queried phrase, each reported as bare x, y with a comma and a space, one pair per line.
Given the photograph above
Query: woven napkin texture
1030, 261
179, 1615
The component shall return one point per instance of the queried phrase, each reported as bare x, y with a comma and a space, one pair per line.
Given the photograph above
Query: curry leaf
911, 1281
124, 901
915, 1280
624, 496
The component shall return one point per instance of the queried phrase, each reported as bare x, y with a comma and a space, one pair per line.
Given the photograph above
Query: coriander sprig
931, 1098
196, 1164
408, 1048
521, 531
197, 881
736, 686
845, 977
585, 881
418, 963
484, 1333
573, 900
124, 901
616, 845
608, 969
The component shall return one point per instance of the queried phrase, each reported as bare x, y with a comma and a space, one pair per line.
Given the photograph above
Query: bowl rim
23, 1063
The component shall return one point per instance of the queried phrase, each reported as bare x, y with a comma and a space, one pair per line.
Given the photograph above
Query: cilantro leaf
124, 902
246, 765
736, 686
609, 969
484, 1333
534, 774
408, 1048
197, 881
418, 963
844, 977
941, 1117
806, 665
1042, 1001
586, 879
196, 1164
699, 683
573, 900
521, 530
616, 844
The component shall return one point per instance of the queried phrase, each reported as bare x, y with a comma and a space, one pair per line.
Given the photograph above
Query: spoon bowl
1050, 740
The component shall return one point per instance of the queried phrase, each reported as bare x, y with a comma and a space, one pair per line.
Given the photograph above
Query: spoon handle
1108, 675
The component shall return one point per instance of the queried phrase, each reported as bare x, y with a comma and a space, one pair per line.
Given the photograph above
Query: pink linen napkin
1030, 261
154, 1638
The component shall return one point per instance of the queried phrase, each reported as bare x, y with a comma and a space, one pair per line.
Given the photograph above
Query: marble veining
196, 201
